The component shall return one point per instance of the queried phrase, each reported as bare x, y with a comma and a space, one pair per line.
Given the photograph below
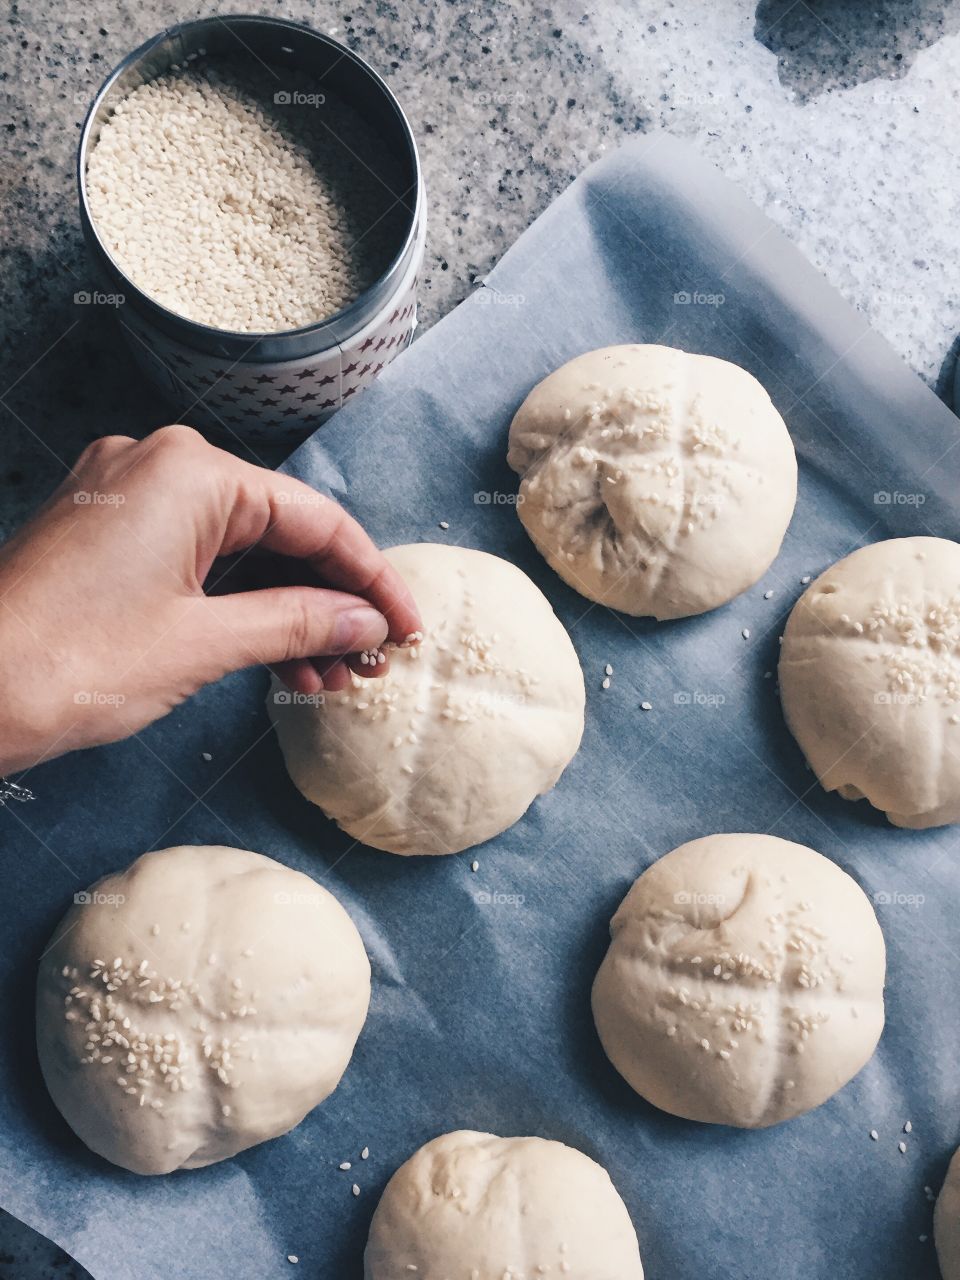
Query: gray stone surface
838, 118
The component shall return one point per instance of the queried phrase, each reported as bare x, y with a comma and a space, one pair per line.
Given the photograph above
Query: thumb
281, 624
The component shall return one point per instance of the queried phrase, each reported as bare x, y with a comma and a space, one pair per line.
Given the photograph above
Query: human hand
104, 622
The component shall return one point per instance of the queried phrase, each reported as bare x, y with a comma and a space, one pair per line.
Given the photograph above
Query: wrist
33, 723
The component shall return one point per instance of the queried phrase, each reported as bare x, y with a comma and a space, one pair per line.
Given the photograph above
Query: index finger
300, 522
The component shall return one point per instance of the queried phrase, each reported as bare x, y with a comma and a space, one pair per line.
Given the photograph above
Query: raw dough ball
654, 481
468, 728
744, 982
200, 1002
471, 1206
870, 678
946, 1222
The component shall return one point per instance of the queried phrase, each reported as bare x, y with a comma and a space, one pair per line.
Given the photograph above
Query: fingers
297, 521
283, 624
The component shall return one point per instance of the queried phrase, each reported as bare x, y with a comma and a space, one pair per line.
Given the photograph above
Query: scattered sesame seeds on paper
480, 1015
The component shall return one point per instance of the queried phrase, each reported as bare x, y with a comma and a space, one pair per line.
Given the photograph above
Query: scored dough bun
200, 1002
946, 1222
471, 1206
466, 730
744, 981
870, 678
654, 481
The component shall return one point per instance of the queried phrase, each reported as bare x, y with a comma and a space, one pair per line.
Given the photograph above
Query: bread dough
200, 1002
744, 981
471, 1206
654, 481
946, 1222
467, 729
870, 678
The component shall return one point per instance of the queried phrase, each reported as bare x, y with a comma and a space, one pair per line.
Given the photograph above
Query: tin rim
286, 344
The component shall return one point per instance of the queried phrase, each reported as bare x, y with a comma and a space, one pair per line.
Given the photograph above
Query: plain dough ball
946, 1222
471, 1206
654, 481
468, 728
870, 678
200, 1002
744, 982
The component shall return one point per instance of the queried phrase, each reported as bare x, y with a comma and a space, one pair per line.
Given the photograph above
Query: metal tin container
275, 387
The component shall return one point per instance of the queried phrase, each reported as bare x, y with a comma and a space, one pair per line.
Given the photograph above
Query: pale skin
105, 625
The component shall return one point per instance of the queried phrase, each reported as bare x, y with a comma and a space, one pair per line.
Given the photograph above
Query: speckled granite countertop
839, 119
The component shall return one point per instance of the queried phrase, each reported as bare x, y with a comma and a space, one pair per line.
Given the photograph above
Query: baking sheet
480, 1015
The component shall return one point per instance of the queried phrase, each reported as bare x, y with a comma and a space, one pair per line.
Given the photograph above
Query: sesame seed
805, 579
205, 755
874, 1135
646, 706
608, 670
768, 595
474, 865
345, 1165
355, 1189
605, 682
444, 524
908, 1127
902, 1148
292, 1257
365, 1153
745, 633
187, 171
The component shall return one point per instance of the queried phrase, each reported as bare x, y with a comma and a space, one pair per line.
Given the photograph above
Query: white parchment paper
480, 1015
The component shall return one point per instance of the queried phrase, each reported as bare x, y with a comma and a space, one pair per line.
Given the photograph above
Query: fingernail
357, 628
